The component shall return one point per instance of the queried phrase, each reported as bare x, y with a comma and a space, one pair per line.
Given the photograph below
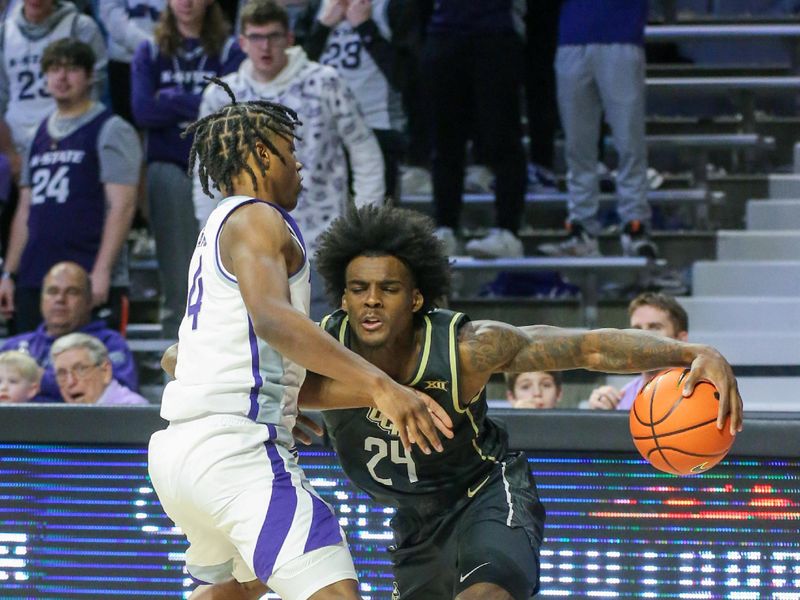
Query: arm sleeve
114, 16
153, 107
120, 153
366, 159
86, 30
4, 86
25, 168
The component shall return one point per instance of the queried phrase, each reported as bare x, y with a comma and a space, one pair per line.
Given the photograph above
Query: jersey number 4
395, 453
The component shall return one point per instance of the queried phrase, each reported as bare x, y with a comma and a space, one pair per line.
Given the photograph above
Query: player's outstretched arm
254, 246
323, 393
487, 347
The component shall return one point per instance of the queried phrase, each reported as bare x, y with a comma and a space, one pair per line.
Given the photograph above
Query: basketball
678, 434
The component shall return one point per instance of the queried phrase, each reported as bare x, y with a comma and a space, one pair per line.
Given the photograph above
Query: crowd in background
95, 96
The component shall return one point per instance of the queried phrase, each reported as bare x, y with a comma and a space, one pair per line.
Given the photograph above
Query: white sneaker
579, 243
416, 181
478, 180
500, 243
447, 236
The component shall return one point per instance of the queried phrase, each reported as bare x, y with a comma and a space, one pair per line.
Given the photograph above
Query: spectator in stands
67, 306
85, 374
659, 314
472, 62
77, 191
369, 43
24, 99
19, 377
128, 23
600, 69
534, 389
167, 78
331, 125
541, 27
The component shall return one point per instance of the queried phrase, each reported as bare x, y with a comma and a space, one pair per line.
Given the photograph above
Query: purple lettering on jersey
193, 308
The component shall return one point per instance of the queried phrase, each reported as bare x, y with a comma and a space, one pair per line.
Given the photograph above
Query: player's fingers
301, 436
426, 425
689, 383
404, 438
310, 424
415, 436
736, 409
441, 425
441, 419
724, 407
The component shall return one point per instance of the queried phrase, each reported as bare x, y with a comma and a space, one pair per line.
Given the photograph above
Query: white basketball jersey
28, 100
223, 367
380, 103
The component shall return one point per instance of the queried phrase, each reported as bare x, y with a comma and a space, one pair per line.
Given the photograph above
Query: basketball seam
653, 429
677, 431
687, 453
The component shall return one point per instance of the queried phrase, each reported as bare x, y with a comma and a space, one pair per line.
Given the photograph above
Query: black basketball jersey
369, 446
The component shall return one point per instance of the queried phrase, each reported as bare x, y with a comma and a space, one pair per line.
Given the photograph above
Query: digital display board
82, 521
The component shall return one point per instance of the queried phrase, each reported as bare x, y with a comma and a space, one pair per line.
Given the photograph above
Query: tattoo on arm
490, 346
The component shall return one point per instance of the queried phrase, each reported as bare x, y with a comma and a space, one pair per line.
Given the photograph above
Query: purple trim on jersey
257, 380
199, 581
273, 432
279, 519
324, 527
219, 232
286, 217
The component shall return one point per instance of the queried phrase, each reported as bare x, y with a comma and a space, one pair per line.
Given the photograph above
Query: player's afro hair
385, 231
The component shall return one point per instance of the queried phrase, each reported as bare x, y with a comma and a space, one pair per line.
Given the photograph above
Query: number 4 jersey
223, 367
369, 447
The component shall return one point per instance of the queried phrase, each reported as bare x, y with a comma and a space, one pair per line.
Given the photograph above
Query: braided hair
224, 140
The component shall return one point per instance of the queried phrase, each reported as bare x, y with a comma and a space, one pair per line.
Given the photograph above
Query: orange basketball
678, 434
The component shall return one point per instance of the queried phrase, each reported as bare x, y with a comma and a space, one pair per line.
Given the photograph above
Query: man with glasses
66, 304
332, 125
85, 375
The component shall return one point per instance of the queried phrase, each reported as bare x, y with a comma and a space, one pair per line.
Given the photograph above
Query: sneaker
415, 181
478, 180
447, 236
500, 243
541, 178
636, 242
578, 243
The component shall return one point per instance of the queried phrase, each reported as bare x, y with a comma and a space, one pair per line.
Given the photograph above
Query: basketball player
469, 523
225, 469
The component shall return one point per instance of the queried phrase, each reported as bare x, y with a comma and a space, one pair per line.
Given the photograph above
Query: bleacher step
753, 347
746, 278
733, 313
773, 214
758, 245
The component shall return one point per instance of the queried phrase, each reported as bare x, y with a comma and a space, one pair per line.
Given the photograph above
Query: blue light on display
84, 522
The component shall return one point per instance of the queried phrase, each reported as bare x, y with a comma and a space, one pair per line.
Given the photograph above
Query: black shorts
492, 537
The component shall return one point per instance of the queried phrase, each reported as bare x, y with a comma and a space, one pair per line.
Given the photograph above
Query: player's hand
416, 415
605, 397
7, 298
101, 282
303, 423
358, 12
169, 360
711, 366
333, 12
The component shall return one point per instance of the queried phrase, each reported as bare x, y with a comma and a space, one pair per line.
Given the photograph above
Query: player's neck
397, 357
75, 108
189, 29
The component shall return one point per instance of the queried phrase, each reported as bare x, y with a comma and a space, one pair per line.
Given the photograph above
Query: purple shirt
117, 394
166, 93
65, 189
629, 393
37, 343
602, 22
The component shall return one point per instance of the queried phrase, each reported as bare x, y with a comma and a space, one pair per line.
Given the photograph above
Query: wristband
8, 275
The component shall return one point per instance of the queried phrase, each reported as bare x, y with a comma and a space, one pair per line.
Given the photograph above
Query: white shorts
244, 504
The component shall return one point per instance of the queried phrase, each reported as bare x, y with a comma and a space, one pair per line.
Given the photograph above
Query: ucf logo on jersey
383, 422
